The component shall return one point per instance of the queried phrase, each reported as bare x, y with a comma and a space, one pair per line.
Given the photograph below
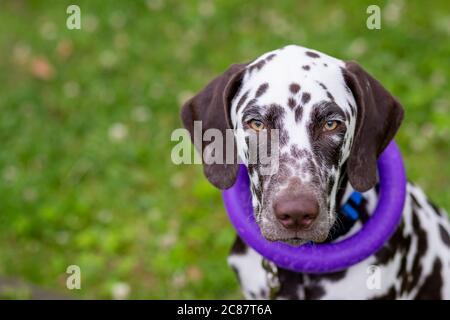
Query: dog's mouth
295, 241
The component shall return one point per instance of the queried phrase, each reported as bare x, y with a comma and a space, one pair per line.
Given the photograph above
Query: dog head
332, 121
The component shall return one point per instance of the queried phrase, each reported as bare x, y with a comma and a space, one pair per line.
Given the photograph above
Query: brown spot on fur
312, 54
260, 64
275, 113
241, 101
444, 235
298, 114
294, 88
322, 85
314, 292
306, 97
270, 57
330, 96
261, 90
432, 285
333, 277
290, 281
257, 65
274, 117
436, 209
251, 103
306, 67
292, 103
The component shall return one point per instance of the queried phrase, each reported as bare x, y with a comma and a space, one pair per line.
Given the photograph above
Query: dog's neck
345, 190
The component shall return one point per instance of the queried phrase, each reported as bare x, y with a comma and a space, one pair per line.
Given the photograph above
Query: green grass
85, 170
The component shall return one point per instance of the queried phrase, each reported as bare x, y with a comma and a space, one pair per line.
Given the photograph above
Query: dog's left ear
379, 116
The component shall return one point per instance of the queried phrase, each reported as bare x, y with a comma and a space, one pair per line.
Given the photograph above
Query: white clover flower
140, 114
118, 132
120, 291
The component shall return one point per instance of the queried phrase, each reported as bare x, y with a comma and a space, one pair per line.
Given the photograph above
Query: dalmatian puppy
333, 121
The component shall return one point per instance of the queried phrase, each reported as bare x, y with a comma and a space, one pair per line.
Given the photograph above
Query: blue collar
348, 214
351, 208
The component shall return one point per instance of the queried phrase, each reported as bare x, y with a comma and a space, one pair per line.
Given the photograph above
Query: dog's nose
296, 212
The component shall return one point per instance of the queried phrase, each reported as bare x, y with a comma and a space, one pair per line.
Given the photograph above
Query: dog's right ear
212, 106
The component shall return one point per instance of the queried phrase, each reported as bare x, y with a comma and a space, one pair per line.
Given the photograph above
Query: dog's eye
330, 125
256, 125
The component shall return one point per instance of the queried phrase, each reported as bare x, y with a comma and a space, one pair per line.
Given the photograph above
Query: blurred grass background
86, 118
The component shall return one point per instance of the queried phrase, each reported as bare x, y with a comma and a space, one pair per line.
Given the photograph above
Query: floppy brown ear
379, 116
212, 107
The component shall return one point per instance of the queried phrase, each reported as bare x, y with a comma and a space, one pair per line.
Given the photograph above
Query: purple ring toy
329, 257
